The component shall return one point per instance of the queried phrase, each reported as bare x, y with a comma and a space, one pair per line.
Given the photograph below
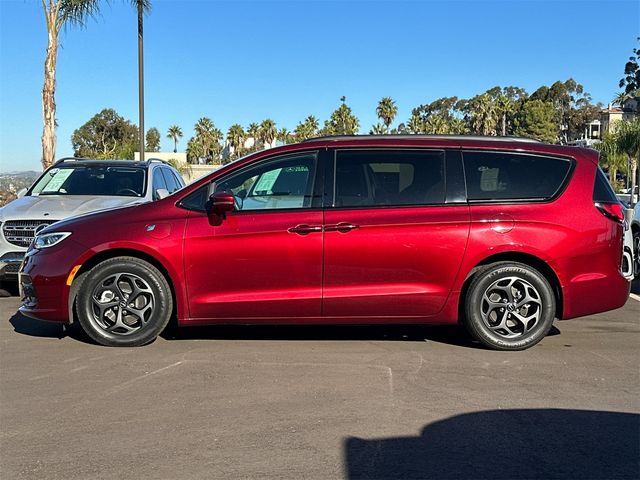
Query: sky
243, 61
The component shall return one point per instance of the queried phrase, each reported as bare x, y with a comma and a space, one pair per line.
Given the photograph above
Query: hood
57, 207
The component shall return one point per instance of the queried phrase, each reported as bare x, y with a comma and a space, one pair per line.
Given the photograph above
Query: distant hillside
12, 182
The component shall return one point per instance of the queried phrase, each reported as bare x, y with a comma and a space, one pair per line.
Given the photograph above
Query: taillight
612, 211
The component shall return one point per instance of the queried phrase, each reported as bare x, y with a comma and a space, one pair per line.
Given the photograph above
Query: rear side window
513, 176
388, 178
170, 180
602, 191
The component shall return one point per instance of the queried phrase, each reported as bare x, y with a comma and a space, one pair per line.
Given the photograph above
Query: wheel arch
520, 257
103, 255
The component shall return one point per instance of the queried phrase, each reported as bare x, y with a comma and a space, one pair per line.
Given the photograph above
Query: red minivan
500, 234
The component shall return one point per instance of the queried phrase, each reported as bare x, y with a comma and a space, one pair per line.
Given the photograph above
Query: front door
392, 246
264, 261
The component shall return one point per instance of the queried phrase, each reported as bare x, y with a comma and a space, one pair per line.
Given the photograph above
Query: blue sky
241, 61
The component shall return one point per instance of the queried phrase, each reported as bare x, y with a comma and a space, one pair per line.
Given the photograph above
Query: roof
128, 163
420, 137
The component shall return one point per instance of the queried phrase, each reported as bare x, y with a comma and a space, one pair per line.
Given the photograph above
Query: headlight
49, 239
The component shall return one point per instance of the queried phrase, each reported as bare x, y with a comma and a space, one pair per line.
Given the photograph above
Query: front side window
281, 183
513, 176
388, 178
158, 182
92, 180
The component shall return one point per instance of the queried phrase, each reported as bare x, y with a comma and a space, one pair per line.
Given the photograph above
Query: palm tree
236, 136
307, 129
208, 137
283, 135
628, 140
378, 129
611, 156
174, 133
483, 113
504, 106
415, 125
386, 111
253, 132
58, 14
268, 131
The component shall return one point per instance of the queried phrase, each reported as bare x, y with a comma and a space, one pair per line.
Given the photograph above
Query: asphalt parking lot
321, 403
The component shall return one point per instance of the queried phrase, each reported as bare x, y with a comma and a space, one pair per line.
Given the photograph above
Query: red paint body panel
403, 265
252, 267
399, 262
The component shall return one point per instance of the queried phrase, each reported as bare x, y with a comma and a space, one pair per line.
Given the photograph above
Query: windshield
88, 180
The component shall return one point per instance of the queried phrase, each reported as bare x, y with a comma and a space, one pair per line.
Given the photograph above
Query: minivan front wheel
509, 306
124, 301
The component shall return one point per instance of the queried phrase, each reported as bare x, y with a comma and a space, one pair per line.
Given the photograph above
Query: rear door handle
304, 229
342, 227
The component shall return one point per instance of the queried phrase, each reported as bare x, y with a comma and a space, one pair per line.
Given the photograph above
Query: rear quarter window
498, 176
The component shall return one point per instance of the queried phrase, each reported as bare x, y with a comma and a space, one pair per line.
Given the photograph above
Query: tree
573, 107
153, 140
106, 135
307, 129
236, 137
378, 129
253, 132
386, 111
205, 145
628, 140
284, 136
482, 114
174, 133
537, 120
631, 79
342, 121
268, 132
59, 13
611, 157
440, 117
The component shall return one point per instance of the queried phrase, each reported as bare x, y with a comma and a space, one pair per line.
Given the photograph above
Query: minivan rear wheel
124, 302
509, 306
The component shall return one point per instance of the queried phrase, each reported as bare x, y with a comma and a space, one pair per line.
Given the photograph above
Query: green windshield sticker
266, 181
58, 179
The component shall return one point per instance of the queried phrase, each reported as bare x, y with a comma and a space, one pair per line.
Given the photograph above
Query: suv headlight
49, 239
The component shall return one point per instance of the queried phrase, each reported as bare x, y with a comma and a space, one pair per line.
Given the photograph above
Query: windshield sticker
266, 181
489, 179
58, 179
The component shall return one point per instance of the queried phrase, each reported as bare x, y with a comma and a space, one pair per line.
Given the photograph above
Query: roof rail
422, 136
67, 159
149, 160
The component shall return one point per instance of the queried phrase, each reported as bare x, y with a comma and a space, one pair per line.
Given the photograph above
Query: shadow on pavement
36, 328
447, 334
506, 444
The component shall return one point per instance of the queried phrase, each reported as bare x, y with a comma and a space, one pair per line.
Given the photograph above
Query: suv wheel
509, 306
124, 302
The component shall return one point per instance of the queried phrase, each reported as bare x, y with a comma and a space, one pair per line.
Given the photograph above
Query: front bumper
10, 265
43, 281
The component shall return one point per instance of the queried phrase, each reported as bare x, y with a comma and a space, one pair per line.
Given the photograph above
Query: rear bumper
595, 293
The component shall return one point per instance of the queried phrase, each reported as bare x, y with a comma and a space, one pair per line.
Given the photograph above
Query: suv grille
21, 232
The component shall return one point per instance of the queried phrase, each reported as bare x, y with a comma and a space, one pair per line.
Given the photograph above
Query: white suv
73, 187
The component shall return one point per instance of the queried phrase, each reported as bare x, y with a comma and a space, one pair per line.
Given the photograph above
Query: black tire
124, 302
527, 314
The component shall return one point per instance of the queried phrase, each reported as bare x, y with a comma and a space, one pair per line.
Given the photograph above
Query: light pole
140, 77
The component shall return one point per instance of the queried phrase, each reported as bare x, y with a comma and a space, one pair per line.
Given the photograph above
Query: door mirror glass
161, 193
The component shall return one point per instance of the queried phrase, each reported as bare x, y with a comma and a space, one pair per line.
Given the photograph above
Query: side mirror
219, 204
162, 193
21, 192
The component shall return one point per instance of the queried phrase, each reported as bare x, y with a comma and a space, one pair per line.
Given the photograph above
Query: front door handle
304, 229
342, 227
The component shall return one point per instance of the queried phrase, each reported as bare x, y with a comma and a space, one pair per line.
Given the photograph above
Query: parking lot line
635, 297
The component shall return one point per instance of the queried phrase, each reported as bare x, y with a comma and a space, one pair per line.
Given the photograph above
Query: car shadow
37, 328
454, 335
506, 444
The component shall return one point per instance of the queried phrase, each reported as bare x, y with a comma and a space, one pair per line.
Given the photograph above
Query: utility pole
140, 79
